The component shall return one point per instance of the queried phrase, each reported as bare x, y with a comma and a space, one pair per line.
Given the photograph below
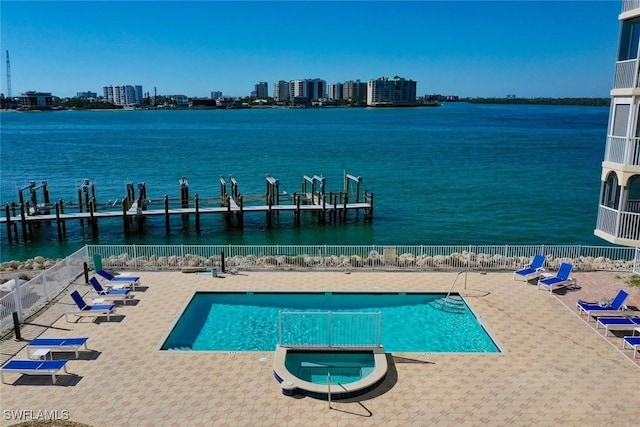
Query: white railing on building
632, 155
623, 225
329, 329
626, 74
628, 5
607, 220
366, 257
636, 262
615, 149
621, 150
629, 226
633, 206
29, 296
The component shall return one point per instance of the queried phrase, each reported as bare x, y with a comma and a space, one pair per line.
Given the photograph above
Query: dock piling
59, 226
184, 196
64, 223
8, 216
167, 223
197, 205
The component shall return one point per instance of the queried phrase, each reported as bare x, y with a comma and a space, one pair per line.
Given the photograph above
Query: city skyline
471, 49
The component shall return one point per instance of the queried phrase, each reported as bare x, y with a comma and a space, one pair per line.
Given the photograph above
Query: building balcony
622, 150
626, 75
628, 5
619, 227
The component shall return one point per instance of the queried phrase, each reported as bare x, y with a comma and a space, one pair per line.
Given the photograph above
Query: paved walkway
555, 369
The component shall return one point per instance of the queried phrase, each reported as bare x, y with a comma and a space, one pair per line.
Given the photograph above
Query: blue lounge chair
58, 344
85, 309
618, 323
561, 279
34, 367
633, 342
110, 294
597, 310
114, 281
532, 270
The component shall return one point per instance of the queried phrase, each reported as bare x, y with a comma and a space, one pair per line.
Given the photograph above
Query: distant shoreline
590, 102
587, 102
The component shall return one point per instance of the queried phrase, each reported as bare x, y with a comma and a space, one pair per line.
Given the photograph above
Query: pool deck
555, 369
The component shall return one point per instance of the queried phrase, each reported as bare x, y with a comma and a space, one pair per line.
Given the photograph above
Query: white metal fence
30, 296
329, 329
26, 297
366, 257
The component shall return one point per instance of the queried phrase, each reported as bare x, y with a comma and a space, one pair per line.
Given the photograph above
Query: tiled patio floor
556, 369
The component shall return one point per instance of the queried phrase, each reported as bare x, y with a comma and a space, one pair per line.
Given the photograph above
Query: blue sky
473, 48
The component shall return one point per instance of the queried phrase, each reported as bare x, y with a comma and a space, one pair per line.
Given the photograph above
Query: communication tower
8, 76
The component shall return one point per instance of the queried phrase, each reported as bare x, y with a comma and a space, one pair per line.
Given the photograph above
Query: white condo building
312, 89
334, 91
619, 206
281, 91
390, 91
123, 95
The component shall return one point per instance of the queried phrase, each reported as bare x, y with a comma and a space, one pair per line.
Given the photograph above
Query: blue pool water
246, 321
344, 367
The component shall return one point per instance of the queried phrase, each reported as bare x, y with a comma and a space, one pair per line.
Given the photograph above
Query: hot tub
352, 371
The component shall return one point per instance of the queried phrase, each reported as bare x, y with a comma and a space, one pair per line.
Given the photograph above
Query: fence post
44, 286
135, 255
16, 326
17, 299
86, 273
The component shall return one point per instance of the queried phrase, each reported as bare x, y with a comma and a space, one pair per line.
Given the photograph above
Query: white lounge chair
34, 367
58, 344
85, 309
618, 323
597, 310
532, 270
560, 280
110, 294
115, 281
633, 342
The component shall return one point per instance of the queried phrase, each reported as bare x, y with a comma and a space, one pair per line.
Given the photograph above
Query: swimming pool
248, 321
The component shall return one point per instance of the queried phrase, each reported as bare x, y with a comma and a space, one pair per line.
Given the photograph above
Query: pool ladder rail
454, 304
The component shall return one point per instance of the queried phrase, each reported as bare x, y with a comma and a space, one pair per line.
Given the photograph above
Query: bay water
457, 174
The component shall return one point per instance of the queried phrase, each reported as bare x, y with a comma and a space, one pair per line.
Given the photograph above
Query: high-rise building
354, 90
312, 89
123, 95
261, 90
388, 91
281, 92
618, 218
334, 91
216, 94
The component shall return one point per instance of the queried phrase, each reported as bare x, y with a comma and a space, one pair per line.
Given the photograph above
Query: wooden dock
335, 205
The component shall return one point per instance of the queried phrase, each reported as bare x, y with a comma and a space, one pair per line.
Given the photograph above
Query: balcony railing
628, 5
621, 225
626, 74
625, 151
